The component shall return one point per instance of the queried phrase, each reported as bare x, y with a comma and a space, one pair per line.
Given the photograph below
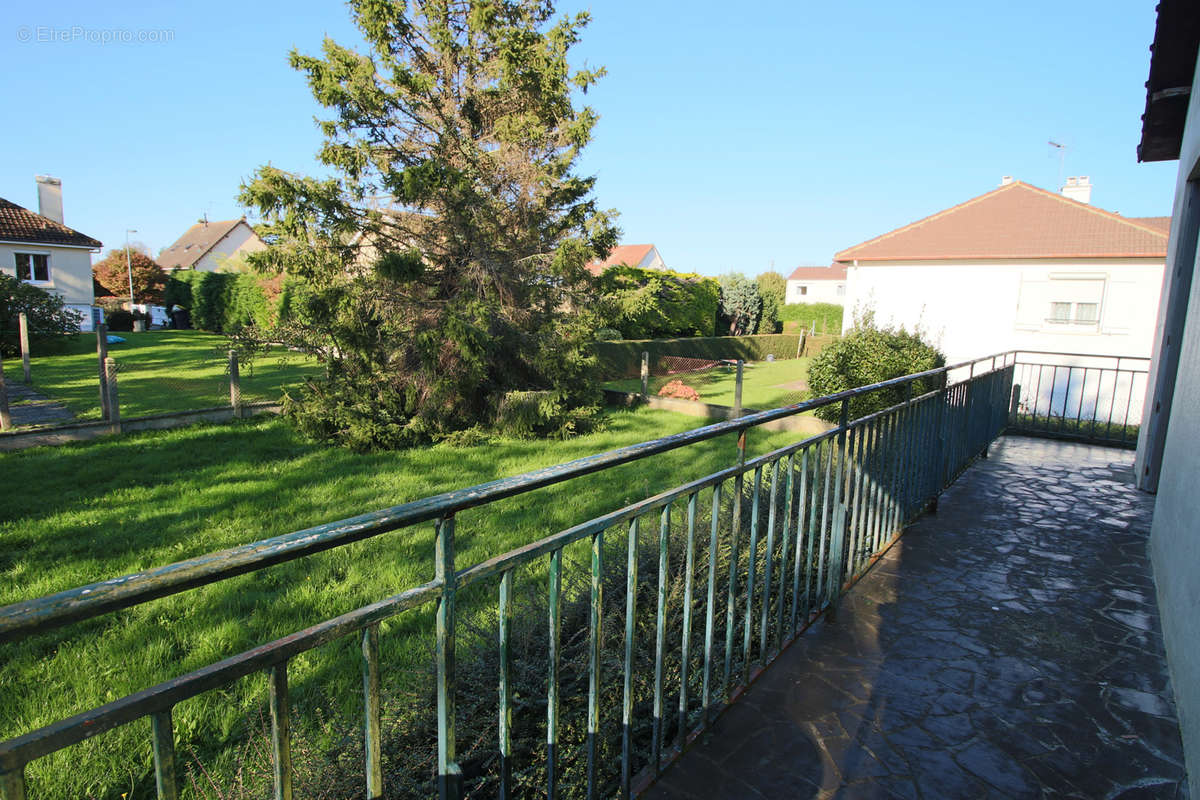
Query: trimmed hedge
224, 302
623, 359
646, 303
827, 316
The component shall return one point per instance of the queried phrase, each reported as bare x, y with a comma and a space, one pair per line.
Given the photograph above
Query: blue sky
733, 136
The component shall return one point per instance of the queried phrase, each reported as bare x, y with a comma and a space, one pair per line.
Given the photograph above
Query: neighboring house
1168, 456
39, 249
643, 256
1016, 268
817, 285
212, 246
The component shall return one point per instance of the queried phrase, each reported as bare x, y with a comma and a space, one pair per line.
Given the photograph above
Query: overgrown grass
159, 371
93, 511
1054, 425
765, 384
826, 316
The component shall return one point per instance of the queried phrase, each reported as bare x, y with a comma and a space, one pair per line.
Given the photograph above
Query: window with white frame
802, 290
841, 290
1061, 302
33, 267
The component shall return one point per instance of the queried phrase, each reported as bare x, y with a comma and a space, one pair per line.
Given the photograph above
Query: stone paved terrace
1008, 646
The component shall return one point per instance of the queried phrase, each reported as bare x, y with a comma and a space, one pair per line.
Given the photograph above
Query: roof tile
18, 224
1017, 221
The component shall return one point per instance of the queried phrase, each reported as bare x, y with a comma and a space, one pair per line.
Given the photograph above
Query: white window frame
33, 281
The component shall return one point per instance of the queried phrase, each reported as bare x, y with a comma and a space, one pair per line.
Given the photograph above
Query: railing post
1015, 405
5, 417
645, 374
12, 784
114, 405
737, 390
23, 324
837, 546
101, 355
235, 385
449, 772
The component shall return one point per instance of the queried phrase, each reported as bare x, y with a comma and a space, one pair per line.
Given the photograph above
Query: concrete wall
818, 292
227, 253
1175, 536
974, 308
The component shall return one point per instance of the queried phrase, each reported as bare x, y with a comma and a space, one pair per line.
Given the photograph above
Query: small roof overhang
1169, 88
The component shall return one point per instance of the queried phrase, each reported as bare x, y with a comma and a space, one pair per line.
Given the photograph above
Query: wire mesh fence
145, 375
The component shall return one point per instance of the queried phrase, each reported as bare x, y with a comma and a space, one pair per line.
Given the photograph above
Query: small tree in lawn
444, 259
112, 272
740, 303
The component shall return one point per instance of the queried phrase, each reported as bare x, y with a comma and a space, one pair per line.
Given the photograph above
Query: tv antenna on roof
1062, 155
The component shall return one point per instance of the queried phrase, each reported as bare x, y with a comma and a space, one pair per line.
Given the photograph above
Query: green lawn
765, 384
159, 371
84, 512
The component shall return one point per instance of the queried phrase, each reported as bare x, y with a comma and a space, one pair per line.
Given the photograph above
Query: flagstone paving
1008, 646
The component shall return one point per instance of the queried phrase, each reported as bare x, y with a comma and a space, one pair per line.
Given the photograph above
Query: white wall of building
70, 274
226, 253
653, 260
977, 308
800, 291
1175, 535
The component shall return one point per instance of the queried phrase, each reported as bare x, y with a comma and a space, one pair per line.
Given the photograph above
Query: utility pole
129, 267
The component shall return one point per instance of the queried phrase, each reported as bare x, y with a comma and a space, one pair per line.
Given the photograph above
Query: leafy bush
623, 359
649, 303
867, 355
607, 334
48, 317
741, 304
771, 288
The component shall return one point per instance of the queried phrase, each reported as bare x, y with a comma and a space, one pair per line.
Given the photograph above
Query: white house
643, 256
1017, 268
817, 285
212, 246
39, 249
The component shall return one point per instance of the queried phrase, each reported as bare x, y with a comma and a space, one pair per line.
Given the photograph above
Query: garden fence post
101, 355
24, 324
5, 418
450, 779
114, 407
737, 391
645, 374
235, 385
1015, 405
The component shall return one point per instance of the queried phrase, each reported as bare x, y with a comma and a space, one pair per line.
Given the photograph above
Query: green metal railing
1081, 397
744, 560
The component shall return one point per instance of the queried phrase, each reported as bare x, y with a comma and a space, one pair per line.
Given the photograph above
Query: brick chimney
1078, 189
50, 197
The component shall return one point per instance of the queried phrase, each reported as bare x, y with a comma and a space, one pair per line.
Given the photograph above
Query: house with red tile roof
1018, 267
643, 256
817, 285
39, 249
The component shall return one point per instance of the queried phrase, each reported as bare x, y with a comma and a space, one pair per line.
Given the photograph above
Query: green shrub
867, 355
48, 318
623, 359
226, 302
771, 288
607, 334
826, 316
648, 303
